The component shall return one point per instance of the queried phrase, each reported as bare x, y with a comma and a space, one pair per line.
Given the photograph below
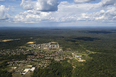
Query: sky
57, 13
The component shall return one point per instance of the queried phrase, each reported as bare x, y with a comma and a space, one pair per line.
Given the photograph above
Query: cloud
82, 1
27, 4
40, 5
108, 2
47, 5
31, 16
99, 5
3, 12
69, 12
103, 16
39, 12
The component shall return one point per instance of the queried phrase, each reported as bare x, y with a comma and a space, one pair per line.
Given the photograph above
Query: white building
32, 69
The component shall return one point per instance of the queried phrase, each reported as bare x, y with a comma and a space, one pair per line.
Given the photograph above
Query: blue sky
57, 13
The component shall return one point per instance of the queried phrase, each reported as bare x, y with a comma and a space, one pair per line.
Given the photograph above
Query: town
38, 55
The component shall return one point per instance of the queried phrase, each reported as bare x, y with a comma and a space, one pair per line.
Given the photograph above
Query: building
32, 69
50, 45
25, 71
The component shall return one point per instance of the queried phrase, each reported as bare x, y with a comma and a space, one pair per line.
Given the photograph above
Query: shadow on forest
2, 35
97, 32
86, 38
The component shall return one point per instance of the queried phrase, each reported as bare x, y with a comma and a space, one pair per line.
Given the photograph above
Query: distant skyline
57, 13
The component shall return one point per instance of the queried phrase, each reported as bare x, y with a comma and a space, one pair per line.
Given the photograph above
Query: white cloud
31, 16
41, 5
67, 12
27, 4
100, 5
103, 16
3, 12
108, 2
102, 2
82, 1
70, 13
47, 5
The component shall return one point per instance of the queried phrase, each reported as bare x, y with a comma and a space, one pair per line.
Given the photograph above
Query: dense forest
102, 65
102, 41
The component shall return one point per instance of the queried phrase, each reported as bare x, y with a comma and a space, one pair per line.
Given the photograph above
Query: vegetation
55, 69
102, 65
100, 41
5, 74
3, 63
